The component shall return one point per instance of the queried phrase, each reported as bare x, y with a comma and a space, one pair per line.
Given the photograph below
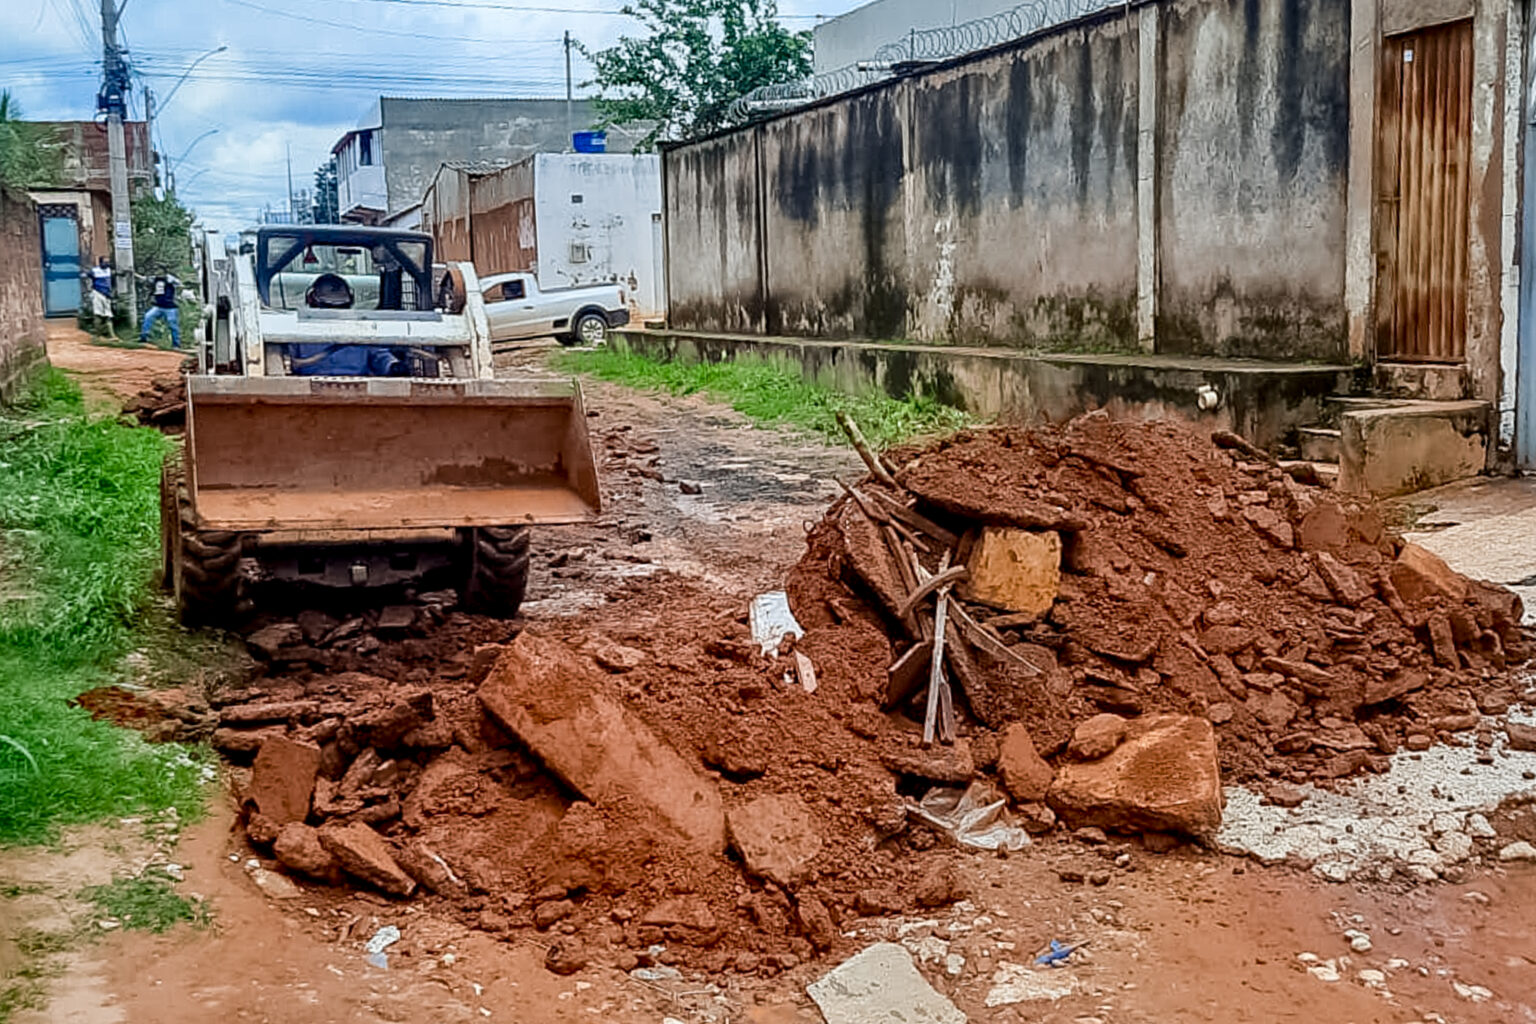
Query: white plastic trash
772, 620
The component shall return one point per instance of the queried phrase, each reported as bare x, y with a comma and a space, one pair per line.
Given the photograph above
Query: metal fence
929, 44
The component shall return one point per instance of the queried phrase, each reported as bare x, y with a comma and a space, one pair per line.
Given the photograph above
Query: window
580, 252
511, 291
365, 149
576, 199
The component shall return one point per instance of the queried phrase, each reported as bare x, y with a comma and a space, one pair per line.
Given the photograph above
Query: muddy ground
1184, 936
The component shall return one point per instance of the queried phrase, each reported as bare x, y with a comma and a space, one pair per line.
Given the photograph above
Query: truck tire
201, 568
590, 328
498, 570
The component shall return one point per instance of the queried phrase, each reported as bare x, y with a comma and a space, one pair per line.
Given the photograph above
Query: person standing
100, 277
163, 307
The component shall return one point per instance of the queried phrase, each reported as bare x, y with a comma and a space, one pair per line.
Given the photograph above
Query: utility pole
570, 117
114, 101
289, 147
149, 128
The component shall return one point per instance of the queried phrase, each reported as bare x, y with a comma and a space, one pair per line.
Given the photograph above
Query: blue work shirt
342, 360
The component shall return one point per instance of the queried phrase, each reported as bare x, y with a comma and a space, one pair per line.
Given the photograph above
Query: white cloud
287, 81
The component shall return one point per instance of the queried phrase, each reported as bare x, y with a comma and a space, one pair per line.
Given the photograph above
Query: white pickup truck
517, 309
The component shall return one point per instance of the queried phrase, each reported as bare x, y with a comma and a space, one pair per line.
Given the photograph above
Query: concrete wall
1171, 173
22, 351
420, 135
1252, 174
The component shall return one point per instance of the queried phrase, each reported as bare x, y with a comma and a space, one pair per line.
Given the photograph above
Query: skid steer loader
345, 429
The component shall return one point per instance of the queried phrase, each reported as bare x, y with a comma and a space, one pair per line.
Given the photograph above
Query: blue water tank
589, 142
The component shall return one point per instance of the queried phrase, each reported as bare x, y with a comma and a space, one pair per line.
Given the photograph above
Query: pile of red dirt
163, 404
1194, 581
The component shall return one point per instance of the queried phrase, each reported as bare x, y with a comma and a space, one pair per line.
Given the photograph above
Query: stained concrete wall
1254, 135
22, 338
993, 200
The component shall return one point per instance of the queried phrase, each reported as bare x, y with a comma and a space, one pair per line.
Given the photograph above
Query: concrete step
1335, 406
1318, 444
1391, 447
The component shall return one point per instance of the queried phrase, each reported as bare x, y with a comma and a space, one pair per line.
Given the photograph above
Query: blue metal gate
61, 260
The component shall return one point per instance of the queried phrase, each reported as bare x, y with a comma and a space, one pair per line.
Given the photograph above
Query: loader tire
201, 567
498, 570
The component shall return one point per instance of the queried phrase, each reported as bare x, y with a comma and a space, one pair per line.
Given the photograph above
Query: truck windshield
325, 275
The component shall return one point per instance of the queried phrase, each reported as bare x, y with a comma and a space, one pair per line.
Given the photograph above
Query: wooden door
1424, 167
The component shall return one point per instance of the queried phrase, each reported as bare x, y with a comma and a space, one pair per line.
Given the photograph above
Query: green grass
79, 543
147, 903
770, 396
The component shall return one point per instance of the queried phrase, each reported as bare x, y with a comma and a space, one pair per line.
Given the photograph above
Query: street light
183, 79
170, 168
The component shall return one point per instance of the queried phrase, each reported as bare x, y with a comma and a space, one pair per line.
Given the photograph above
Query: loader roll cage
394, 259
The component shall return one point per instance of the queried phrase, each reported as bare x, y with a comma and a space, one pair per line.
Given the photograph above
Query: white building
568, 218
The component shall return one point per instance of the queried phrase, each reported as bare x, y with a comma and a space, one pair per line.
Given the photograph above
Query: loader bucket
297, 453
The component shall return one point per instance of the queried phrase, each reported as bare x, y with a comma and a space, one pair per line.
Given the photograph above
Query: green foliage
326, 207
162, 236
147, 903
79, 532
696, 57
30, 154
769, 395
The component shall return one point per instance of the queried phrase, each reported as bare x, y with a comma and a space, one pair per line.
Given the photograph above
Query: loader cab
383, 270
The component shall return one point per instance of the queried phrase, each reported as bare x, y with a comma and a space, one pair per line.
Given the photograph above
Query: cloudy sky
297, 72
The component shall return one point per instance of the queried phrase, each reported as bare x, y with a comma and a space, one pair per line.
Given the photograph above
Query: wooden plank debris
877, 468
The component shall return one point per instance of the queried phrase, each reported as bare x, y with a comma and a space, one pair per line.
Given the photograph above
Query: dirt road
106, 371
1188, 935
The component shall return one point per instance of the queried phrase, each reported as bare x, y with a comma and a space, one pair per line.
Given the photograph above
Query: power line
474, 6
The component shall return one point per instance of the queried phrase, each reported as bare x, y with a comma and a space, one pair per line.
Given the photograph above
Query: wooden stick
910, 536
905, 677
871, 513
946, 710
943, 579
935, 670
915, 519
917, 627
856, 437
979, 636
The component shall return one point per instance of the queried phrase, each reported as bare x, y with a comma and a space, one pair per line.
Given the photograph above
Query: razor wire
928, 44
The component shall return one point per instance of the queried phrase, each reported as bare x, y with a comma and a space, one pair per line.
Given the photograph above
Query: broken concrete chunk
423, 864
1521, 736
365, 855
547, 694
778, 838
1096, 737
269, 640
1270, 525
283, 779
1015, 570
1343, 580
1025, 773
940, 764
881, 985
298, 848
396, 618
1163, 778
1419, 575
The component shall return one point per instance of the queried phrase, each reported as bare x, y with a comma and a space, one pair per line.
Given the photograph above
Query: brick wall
22, 350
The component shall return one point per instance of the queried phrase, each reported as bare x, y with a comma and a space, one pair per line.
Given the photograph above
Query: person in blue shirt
331, 291
162, 307
100, 277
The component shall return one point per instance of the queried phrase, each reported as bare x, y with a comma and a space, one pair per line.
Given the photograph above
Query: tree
326, 206
697, 56
30, 153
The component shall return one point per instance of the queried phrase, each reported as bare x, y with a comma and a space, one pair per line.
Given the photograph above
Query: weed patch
79, 543
147, 903
771, 396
